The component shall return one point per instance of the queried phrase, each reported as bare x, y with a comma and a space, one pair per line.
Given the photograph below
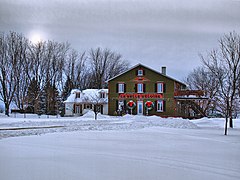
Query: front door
78, 109
140, 108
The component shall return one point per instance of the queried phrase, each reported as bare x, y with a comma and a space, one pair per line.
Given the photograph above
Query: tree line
39, 76
219, 77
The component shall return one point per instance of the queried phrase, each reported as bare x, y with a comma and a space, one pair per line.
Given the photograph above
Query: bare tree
12, 53
53, 61
105, 64
76, 69
82, 72
225, 65
202, 79
97, 101
22, 80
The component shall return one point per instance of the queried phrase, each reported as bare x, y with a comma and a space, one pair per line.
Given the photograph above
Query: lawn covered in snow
117, 148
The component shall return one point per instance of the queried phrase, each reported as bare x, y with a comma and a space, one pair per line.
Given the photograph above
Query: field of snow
119, 148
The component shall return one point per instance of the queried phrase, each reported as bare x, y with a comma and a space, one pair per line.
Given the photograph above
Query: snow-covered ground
119, 148
32, 125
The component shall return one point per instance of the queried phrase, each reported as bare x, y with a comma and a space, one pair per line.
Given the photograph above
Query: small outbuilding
79, 102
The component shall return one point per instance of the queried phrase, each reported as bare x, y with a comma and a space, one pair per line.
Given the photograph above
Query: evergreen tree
51, 99
58, 105
32, 96
69, 85
41, 109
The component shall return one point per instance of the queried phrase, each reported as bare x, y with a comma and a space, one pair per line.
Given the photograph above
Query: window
102, 95
88, 106
140, 88
77, 95
120, 105
159, 87
120, 88
159, 106
140, 72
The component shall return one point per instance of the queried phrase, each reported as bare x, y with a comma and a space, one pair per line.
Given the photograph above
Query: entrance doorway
140, 107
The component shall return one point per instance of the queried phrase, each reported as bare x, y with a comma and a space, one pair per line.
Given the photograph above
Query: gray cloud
153, 32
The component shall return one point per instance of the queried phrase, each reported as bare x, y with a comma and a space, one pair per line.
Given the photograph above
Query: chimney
164, 70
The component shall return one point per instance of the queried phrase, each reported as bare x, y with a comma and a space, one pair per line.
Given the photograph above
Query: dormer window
102, 95
140, 72
77, 95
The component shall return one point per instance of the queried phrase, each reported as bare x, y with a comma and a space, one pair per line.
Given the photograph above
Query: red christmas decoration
131, 104
149, 105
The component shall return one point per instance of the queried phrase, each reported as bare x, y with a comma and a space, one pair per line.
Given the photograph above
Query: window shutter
155, 105
144, 88
116, 105
135, 87
125, 87
136, 72
125, 104
117, 88
155, 87
164, 87
74, 106
101, 106
143, 72
164, 106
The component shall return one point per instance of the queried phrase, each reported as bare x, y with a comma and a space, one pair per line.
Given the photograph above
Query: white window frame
140, 74
140, 88
120, 105
160, 87
160, 106
121, 87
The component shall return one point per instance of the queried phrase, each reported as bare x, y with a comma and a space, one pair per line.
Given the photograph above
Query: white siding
105, 109
68, 109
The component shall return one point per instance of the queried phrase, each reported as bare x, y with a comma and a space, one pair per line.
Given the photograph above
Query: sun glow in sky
36, 37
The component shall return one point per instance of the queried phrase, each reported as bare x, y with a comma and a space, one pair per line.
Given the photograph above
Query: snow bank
90, 115
173, 122
215, 122
10, 127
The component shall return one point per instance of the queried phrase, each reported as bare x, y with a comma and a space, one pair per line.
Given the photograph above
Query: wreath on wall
131, 104
149, 105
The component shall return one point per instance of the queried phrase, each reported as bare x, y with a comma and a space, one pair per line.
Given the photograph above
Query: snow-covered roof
93, 95
87, 96
75, 91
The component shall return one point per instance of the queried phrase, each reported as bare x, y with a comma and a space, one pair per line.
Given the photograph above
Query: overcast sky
156, 33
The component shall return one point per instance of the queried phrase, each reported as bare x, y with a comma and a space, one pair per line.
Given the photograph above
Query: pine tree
54, 101
42, 103
58, 104
32, 96
69, 85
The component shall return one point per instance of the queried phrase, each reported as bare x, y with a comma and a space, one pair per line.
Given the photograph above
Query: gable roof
139, 64
87, 95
